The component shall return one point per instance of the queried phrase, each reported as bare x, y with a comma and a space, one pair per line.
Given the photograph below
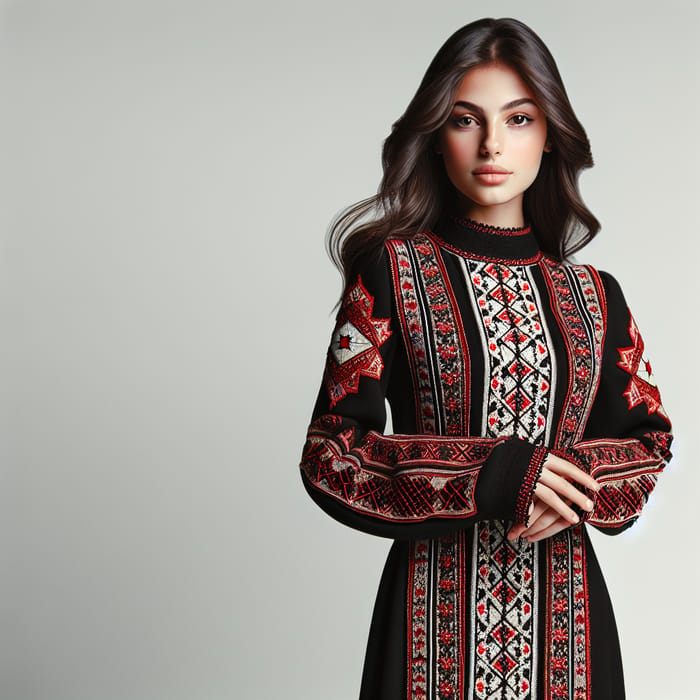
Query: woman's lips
491, 174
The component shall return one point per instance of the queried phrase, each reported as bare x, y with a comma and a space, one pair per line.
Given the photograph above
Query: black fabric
384, 674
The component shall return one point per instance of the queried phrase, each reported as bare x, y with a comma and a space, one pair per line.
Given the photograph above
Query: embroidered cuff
529, 482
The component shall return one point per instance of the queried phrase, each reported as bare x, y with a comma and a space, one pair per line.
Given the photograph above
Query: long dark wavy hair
415, 189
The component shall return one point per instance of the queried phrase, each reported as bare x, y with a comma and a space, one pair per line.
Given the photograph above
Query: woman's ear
547, 146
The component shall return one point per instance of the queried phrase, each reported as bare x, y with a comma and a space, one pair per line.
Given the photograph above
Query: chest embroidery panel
516, 401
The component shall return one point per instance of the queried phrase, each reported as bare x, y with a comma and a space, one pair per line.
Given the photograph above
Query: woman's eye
465, 121
520, 120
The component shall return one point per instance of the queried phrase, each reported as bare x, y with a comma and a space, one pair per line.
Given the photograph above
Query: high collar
474, 240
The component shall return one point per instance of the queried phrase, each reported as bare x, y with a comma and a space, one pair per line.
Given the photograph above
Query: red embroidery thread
354, 349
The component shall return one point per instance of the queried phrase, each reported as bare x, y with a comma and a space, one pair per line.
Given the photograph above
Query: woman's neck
506, 215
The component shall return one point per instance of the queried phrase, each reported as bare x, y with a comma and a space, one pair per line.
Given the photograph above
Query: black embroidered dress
491, 355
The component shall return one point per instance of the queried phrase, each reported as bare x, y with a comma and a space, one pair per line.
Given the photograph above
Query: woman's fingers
564, 489
553, 497
557, 526
516, 531
571, 471
554, 501
536, 510
549, 517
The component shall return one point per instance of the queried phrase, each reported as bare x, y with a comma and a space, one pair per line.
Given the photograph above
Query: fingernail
574, 518
589, 505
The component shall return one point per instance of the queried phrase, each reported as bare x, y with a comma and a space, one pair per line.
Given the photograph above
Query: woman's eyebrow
509, 105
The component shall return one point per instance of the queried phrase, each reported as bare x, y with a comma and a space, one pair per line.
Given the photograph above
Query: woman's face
493, 142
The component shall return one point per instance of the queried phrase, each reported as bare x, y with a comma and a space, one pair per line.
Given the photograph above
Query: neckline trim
471, 239
487, 228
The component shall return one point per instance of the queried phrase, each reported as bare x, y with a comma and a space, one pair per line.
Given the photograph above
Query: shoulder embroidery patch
642, 386
354, 349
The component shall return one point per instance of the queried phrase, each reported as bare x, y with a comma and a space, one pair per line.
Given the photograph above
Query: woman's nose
491, 145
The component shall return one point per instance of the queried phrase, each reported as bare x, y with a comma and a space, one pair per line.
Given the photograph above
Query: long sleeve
399, 486
626, 441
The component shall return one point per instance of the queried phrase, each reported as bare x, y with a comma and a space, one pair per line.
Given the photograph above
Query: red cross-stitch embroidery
354, 349
642, 386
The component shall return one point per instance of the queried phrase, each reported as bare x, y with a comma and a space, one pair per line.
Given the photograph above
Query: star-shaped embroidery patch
642, 386
354, 349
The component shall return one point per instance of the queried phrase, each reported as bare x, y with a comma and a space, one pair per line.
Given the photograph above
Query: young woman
522, 404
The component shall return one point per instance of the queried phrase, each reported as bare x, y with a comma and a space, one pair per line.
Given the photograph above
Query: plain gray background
168, 171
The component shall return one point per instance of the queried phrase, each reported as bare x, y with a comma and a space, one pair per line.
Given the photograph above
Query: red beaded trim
486, 258
529, 483
485, 228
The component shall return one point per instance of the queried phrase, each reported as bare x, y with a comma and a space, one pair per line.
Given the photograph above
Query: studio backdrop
168, 173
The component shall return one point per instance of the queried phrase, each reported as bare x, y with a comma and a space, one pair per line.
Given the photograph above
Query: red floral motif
446, 689
446, 609
446, 663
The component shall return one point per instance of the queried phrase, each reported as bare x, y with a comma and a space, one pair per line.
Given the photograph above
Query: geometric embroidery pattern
354, 348
516, 347
579, 311
436, 673
437, 356
627, 470
568, 618
450, 347
393, 476
505, 616
642, 386
440, 372
517, 402
450, 616
415, 336
418, 620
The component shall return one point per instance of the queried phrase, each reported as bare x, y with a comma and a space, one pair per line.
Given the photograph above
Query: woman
521, 401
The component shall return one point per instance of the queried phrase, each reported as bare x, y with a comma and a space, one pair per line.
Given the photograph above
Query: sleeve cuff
529, 483
508, 478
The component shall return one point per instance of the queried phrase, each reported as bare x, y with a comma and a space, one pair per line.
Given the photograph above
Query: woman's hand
542, 523
553, 497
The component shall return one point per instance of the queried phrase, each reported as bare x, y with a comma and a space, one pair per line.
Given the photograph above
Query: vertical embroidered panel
579, 309
450, 346
579, 306
450, 615
567, 632
439, 364
517, 401
418, 579
414, 332
515, 346
505, 616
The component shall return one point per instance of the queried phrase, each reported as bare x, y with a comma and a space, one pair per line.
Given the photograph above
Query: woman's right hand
553, 497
